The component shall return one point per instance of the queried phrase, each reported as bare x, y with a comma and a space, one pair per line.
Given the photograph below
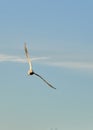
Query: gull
30, 71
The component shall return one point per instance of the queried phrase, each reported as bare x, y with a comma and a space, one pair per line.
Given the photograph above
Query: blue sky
60, 42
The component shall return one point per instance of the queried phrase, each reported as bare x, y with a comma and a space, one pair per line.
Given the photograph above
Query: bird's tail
44, 80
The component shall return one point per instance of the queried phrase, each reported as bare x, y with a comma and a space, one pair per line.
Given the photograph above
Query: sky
60, 42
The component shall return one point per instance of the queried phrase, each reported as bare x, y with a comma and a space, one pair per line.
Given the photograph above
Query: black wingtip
44, 80
53, 87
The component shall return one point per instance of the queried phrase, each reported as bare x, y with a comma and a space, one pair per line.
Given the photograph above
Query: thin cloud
72, 65
63, 64
75, 61
10, 58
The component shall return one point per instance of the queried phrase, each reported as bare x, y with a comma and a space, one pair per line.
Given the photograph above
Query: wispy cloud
11, 58
72, 65
75, 61
69, 63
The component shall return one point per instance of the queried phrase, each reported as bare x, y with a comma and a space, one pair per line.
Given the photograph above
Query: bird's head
30, 72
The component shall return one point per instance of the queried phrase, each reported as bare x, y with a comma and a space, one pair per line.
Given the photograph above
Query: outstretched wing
27, 55
44, 80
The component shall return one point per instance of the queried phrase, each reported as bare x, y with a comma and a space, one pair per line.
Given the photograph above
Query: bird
30, 71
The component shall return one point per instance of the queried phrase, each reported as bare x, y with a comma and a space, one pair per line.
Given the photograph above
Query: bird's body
30, 71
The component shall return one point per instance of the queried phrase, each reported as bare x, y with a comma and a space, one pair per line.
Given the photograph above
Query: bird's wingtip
54, 88
24, 43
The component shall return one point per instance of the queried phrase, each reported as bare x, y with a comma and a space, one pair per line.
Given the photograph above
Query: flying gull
30, 71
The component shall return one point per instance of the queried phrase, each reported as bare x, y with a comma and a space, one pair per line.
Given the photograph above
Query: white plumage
31, 72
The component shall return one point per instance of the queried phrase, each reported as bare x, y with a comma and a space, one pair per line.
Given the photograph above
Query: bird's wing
44, 80
27, 55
